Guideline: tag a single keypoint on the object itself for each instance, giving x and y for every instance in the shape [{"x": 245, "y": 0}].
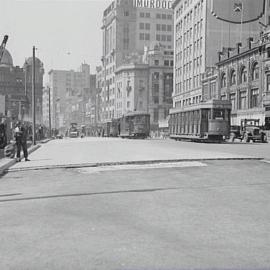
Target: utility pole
[
  {"x": 34, "y": 96},
  {"x": 50, "y": 120}
]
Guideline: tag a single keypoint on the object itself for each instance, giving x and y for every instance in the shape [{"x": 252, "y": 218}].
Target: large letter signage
[{"x": 165, "y": 4}]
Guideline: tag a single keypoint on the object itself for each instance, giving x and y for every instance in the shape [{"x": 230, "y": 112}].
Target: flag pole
[{"x": 242, "y": 14}]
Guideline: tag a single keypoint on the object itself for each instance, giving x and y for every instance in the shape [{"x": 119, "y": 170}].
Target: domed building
[
  {"x": 14, "y": 103},
  {"x": 7, "y": 60}
]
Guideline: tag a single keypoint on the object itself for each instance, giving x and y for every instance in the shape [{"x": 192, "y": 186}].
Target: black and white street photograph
[{"x": 134, "y": 134}]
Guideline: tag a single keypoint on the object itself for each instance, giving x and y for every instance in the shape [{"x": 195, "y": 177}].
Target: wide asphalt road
[{"x": 184, "y": 215}]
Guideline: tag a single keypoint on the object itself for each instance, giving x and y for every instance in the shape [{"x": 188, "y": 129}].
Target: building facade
[
  {"x": 145, "y": 84},
  {"x": 16, "y": 87},
  {"x": 198, "y": 37},
  {"x": 129, "y": 26},
  {"x": 39, "y": 73},
  {"x": 244, "y": 79},
  {"x": 69, "y": 93}
]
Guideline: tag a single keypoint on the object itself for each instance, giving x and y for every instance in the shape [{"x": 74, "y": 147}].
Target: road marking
[
  {"x": 184, "y": 164},
  {"x": 266, "y": 161}
]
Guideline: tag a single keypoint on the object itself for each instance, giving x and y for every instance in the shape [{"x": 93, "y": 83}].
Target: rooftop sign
[
  {"x": 238, "y": 11},
  {"x": 163, "y": 4}
]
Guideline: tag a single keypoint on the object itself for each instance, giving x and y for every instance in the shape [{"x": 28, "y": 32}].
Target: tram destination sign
[{"x": 163, "y": 4}]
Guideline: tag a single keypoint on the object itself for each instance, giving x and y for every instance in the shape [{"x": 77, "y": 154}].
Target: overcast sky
[{"x": 66, "y": 32}]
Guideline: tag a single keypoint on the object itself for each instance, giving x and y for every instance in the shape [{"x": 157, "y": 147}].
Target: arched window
[
  {"x": 243, "y": 75},
  {"x": 255, "y": 72},
  {"x": 223, "y": 80},
  {"x": 233, "y": 77}
]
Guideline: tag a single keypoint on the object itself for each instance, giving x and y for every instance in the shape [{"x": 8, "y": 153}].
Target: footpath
[{"x": 6, "y": 163}]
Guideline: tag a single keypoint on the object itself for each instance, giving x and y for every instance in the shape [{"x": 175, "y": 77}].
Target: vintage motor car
[{"x": 248, "y": 131}]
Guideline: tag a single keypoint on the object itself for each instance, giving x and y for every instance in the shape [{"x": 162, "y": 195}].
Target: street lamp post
[
  {"x": 34, "y": 96},
  {"x": 50, "y": 120}
]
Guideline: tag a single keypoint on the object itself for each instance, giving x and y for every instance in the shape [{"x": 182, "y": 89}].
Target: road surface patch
[{"x": 100, "y": 169}]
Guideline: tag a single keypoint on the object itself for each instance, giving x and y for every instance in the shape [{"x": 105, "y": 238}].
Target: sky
[{"x": 66, "y": 33}]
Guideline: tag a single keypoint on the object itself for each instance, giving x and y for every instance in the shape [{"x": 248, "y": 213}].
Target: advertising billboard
[{"x": 238, "y": 11}]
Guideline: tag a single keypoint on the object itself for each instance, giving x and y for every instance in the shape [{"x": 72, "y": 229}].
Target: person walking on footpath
[{"x": 21, "y": 141}]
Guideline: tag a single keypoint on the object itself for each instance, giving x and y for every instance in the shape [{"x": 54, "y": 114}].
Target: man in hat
[{"x": 21, "y": 141}]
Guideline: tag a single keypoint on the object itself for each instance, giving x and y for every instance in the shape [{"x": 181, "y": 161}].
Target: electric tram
[
  {"x": 205, "y": 122},
  {"x": 135, "y": 125},
  {"x": 111, "y": 128}
]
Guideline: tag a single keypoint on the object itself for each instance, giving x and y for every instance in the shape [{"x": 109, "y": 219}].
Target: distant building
[
  {"x": 69, "y": 91},
  {"x": 129, "y": 26},
  {"x": 12, "y": 89},
  {"x": 45, "y": 106},
  {"x": 39, "y": 73},
  {"x": 145, "y": 84},
  {"x": 99, "y": 87}
]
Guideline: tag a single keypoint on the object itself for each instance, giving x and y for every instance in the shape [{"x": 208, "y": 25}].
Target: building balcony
[{"x": 266, "y": 99}]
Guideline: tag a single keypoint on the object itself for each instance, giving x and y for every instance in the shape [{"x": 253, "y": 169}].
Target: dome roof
[
  {"x": 29, "y": 61},
  {"x": 6, "y": 59}
]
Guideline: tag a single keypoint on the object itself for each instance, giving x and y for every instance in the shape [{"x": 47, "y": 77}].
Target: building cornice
[{"x": 237, "y": 56}]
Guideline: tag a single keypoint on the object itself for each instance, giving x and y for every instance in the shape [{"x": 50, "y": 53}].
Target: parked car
[
  {"x": 248, "y": 131},
  {"x": 254, "y": 133}
]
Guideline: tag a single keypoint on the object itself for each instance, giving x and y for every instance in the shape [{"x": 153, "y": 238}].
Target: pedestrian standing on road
[{"x": 21, "y": 141}]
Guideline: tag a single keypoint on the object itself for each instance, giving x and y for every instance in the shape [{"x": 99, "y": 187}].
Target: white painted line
[
  {"x": 266, "y": 161},
  {"x": 184, "y": 164}
]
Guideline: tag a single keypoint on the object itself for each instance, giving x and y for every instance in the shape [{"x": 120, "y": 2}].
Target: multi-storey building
[
  {"x": 16, "y": 86},
  {"x": 129, "y": 26},
  {"x": 198, "y": 37},
  {"x": 68, "y": 91},
  {"x": 39, "y": 73},
  {"x": 145, "y": 84},
  {"x": 244, "y": 78}
]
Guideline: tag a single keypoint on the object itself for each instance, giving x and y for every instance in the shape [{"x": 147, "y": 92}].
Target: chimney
[
  {"x": 238, "y": 46},
  {"x": 249, "y": 41}
]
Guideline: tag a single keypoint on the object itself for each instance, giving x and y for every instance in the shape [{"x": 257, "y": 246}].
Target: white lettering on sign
[{"x": 165, "y": 4}]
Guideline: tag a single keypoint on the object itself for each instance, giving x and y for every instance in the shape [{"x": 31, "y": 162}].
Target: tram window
[{"x": 219, "y": 114}]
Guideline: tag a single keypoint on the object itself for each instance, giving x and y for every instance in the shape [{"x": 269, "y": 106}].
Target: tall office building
[
  {"x": 199, "y": 35},
  {"x": 129, "y": 26},
  {"x": 68, "y": 89}
]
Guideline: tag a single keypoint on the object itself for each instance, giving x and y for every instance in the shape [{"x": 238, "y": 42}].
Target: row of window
[
  {"x": 159, "y": 27},
  {"x": 188, "y": 101},
  {"x": 188, "y": 36},
  {"x": 164, "y": 16},
  {"x": 187, "y": 68},
  {"x": 188, "y": 84},
  {"x": 197, "y": 9},
  {"x": 242, "y": 102},
  {"x": 186, "y": 54},
  {"x": 164, "y": 27},
  {"x": 243, "y": 76},
  {"x": 164, "y": 38}
]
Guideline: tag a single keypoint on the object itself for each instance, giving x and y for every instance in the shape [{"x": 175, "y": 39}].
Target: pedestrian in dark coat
[{"x": 21, "y": 134}]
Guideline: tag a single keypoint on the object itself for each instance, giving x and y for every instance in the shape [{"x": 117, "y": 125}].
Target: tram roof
[
  {"x": 136, "y": 113},
  {"x": 214, "y": 103}
]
